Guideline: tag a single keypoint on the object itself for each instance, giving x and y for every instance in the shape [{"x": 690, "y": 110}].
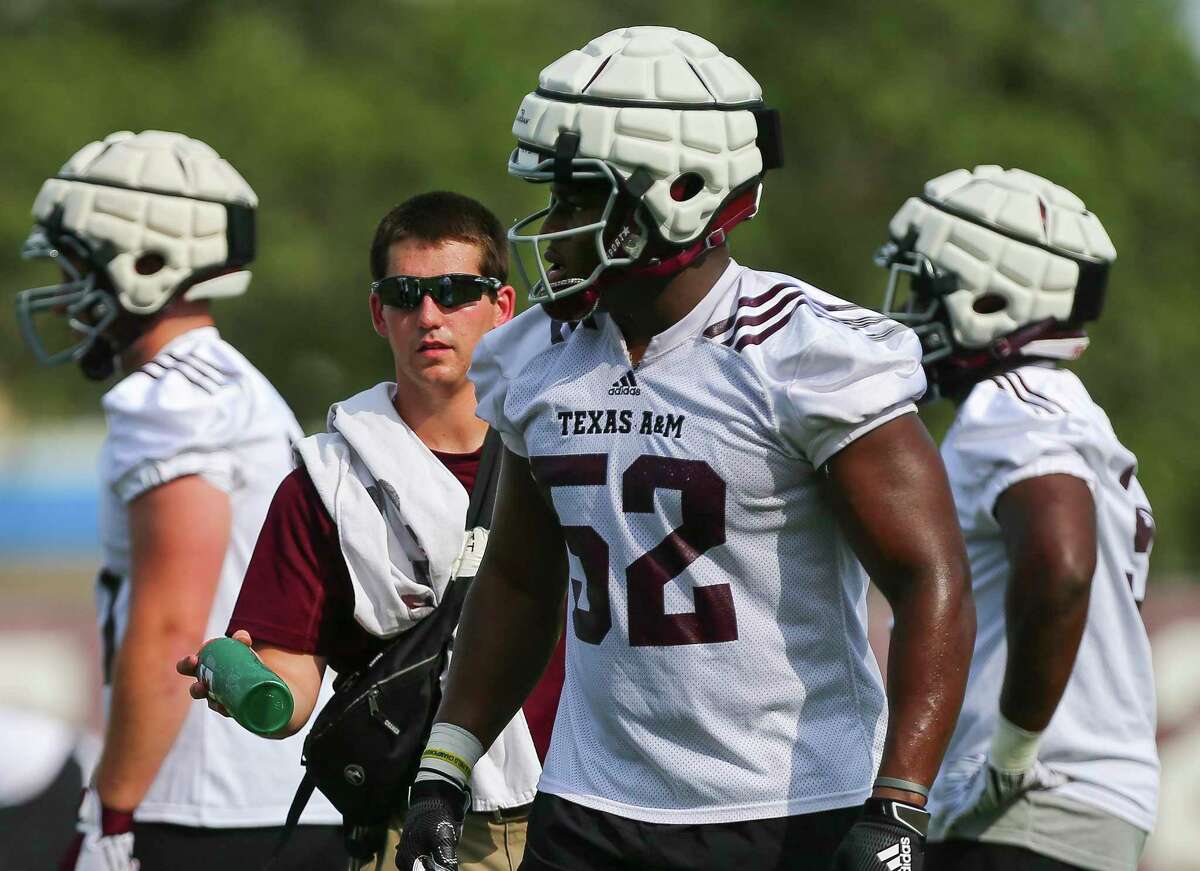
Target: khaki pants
[{"x": 487, "y": 843}]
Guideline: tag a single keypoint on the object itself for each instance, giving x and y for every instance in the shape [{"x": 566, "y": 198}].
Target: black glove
[
  {"x": 889, "y": 836},
  {"x": 432, "y": 826}
]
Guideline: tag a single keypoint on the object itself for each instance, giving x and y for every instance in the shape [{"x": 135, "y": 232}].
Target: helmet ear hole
[
  {"x": 686, "y": 186},
  {"x": 150, "y": 263},
  {"x": 989, "y": 303}
]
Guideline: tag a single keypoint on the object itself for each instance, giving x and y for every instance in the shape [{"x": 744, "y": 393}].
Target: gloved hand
[
  {"x": 889, "y": 836},
  {"x": 104, "y": 839},
  {"x": 432, "y": 826},
  {"x": 1011, "y": 770},
  {"x": 991, "y": 790}
]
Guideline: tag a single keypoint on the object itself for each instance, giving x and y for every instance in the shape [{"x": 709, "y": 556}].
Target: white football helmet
[
  {"x": 1001, "y": 262},
  {"x": 135, "y": 221},
  {"x": 662, "y": 116}
]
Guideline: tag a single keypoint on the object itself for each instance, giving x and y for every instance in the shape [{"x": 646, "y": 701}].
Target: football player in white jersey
[
  {"x": 146, "y": 229},
  {"x": 717, "y": 448},
  {"x": 1053, "y": 762}
]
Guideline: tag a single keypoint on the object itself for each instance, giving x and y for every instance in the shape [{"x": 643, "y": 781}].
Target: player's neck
[
  {"x": 183, "y": 318},
  {"x": 642, "y": 310},
  {"x": 443, "y": 421}
]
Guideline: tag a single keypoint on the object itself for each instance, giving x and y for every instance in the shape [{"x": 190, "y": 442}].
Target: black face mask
[{"x": 455, "y": 289}]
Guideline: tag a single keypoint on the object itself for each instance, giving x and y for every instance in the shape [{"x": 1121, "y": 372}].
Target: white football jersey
[
  {"x": 1033, "y": 421},
  {"x": 201, "y": 408},
  {"x": 717, "y": 660}
]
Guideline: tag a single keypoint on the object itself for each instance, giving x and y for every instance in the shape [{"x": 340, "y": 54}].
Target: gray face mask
[
  {"x": 921, "y": 309},
  {"x": 88, "y": 310},
  {"x": 528, "y": 247}
]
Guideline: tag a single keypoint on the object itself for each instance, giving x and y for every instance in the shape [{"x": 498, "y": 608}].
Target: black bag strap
[
  {"x": 299, "y": 801},
  {"x": 479, "y": 513},
  {"x": 487, "y": 479}
]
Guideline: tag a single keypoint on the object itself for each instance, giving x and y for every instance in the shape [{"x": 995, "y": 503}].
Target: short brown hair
[{"x": 441, "y": 216}]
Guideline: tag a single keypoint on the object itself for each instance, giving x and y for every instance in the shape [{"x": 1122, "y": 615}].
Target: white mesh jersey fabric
[
  {"x": 1035, "y": 283},
  {"x": 201, "y": 408},
  {"x": 728, "y": 675},
  {"x": 657, "y": 67},
  {"x": 150, "y": 192},
  {"x": 1030, "y": 422}
]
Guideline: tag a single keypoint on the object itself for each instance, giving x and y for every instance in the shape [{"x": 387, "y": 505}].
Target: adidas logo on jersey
[
  {"x": 897, "y": 857},
  {"x": 626, "y": 385}
]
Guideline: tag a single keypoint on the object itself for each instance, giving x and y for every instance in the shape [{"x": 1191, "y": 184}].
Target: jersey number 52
[{"x": 702, "y": 505}]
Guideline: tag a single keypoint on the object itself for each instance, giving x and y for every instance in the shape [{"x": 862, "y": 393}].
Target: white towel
[
  {"x": 399, "y": 514},
  {"x": 398, "y": 510}
]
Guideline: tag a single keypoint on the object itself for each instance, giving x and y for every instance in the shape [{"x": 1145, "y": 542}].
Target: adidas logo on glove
[{"x": 897, "y": 857}]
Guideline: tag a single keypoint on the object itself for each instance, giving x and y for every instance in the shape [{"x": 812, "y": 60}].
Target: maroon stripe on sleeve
[
  {"x": 716, "y": 329},
  {"x": 858, "y": 323},
  {"x": 759, "y": 338},
  {"x": 195, "y": 377},
  {"x": 1040, "y": 396},
  {"x": 889, "y": 332},
  {"x": 764, "y": 316},
  {"x": 1024, "y": 397},
  {"x": 202, "y": 366}
]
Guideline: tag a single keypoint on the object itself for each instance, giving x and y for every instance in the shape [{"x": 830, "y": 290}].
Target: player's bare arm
[
  {"x": 179, "y": 534},
  {"x": 302, "y": 672},
  {"x": 1049, "y": 526},
  {"x": 513, "y": 614},
  {"x": 510, "y": 623},
  {"x": 893, "y": 502}
]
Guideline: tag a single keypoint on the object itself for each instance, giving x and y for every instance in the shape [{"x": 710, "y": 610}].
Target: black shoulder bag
[{"x": 364, "y": 747}]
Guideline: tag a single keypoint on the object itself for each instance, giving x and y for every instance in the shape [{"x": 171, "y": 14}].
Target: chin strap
[
  {"x": 1044, "y": 339},
  {"x": 1014, "y": 344},
  {"x": 741, "y": 208}
]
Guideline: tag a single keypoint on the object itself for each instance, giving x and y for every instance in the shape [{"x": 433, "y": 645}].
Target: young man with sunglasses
[
  {"x": 359, "y": 540},
  {"x": 726, "y": 454}
]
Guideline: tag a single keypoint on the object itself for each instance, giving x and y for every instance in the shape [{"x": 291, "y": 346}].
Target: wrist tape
[
  {"x": 450, "y": 754},
  {"x": 1013, "y": 748}
]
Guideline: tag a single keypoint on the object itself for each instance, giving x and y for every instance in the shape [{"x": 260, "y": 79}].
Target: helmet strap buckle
[{"x": 566, "y": 146}]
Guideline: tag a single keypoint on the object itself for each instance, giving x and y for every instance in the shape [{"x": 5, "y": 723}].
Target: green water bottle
[{"x": 253, "y": 694}]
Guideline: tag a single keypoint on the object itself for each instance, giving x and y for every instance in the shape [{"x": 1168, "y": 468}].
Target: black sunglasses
[{"x": 405, "y": 291}]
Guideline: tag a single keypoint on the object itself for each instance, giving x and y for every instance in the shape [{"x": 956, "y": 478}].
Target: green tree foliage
[{"x": 336, "y": 111}]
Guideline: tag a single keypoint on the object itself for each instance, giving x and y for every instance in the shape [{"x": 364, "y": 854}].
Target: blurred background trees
[{"x": 336, "y": 111}]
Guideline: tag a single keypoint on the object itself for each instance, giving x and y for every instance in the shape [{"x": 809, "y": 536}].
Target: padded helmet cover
[
  {"x": 152, "y": 193},
  {"x": 659, "y": 99},
  {"x": 1016, "y": 238}
]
